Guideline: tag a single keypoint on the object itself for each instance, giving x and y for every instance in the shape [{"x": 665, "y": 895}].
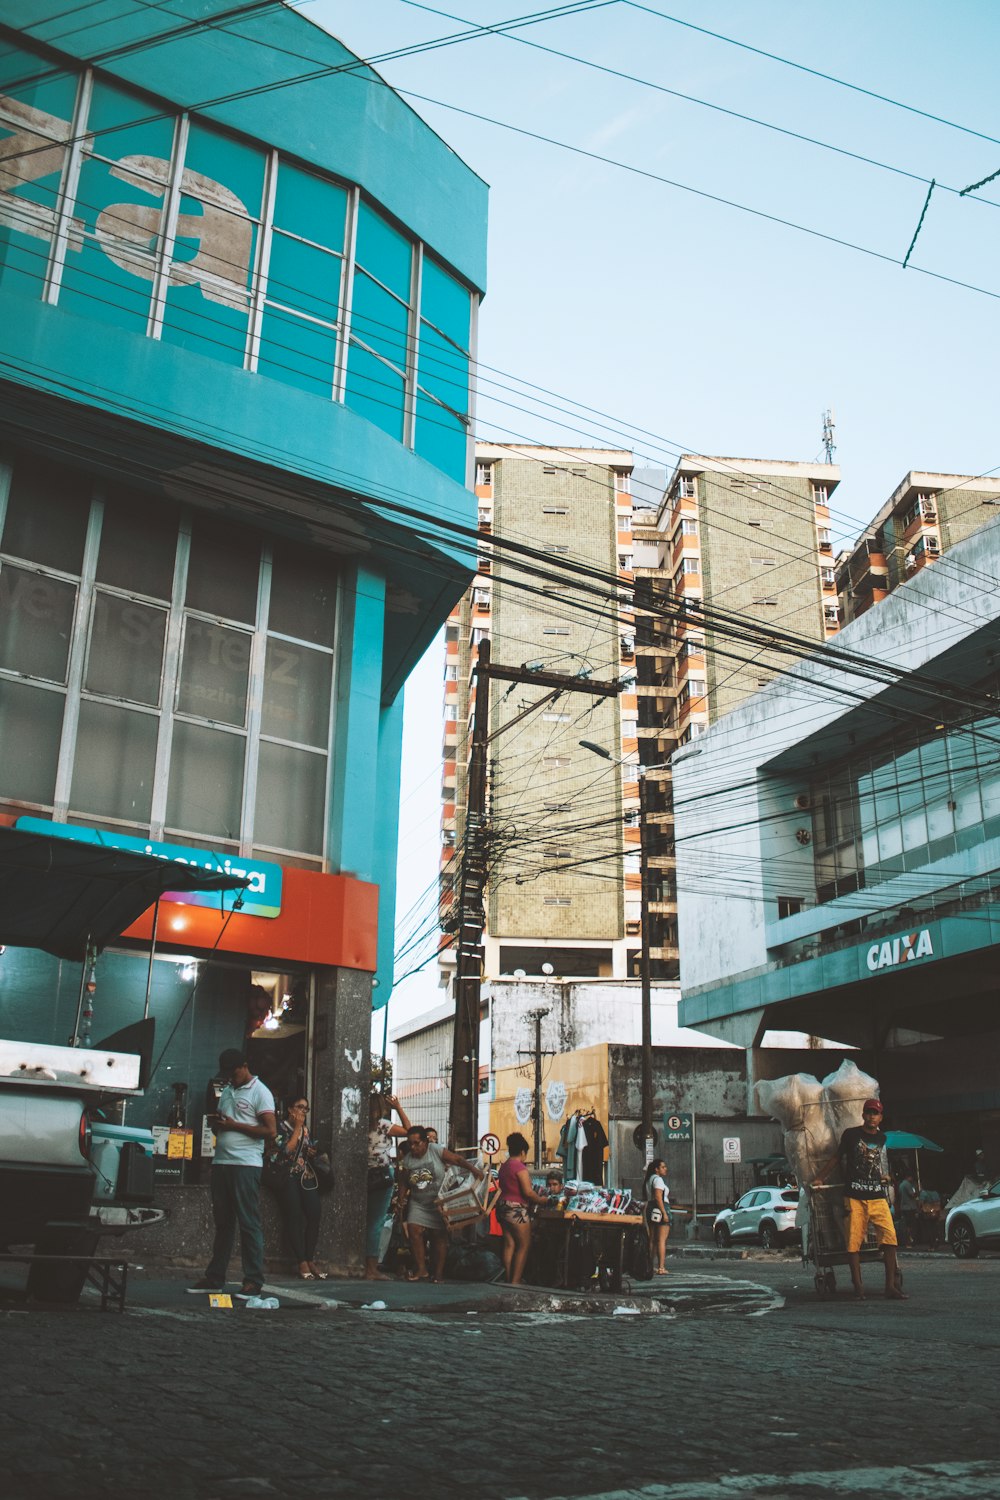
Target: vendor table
[{"x": 609, "y": 1232}]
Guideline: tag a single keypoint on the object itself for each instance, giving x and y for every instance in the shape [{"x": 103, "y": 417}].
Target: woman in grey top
[{"x": 423, "y": 1170}]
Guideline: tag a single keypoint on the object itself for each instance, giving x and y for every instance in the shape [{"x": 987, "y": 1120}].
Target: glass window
[
  {"x": 36, "y": 622},
  {"x": 379, "y": 320},
  {"x": 291, "y": 791},
  {"x": 114, "y": 763},
  {"x": 215, "y": 672},
  {"x": 303, "y": 278},
  {"x": 30, "y": 727},
  {"x": 296, "y": 694},
  {"x": 44, "y": 115},
  {"x": 446, "y": 303},
  {"x": 125, "y": 659},
  {"x": 310, "y": 207},
  {"x": 296, "y": 351},
  {"x": 47, "y": 512},
  {"x": 206, "y": 781},
  {"x": 375, "y": 392},
  {"x": 223, "y": 573},
  {"x": 303, "y": 598},
  {"x": 383, "y": 251},
  {"x": 138, "y": 543}
]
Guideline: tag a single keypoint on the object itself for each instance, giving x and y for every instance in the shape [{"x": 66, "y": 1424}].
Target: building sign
[
  {"x": 678, "y": 1126},
  {"x": 892, "y": 952},
  {"x": 732, "y": 1149},
  {"x": 262, "y": 897}
]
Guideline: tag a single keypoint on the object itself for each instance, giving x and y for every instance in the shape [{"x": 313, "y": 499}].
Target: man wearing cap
[
  {"x": 865, "y": 1175},
  {"x": 244, "y": 1126}
]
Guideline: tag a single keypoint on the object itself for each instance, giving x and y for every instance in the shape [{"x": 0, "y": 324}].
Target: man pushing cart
[{"x": 867, "y": 1229}]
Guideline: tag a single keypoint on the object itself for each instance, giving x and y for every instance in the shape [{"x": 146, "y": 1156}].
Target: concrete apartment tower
[
  {"x": 561, "y": 818},
  {"x": 925, "y": 515},
  {"x": 745, "y": 537}
]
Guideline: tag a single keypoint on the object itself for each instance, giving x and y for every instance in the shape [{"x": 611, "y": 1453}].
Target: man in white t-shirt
[{"x": 244, "y": 1128}]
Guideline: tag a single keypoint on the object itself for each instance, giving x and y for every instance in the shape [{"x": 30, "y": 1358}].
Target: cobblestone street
[{"x": 750, "y": 1376}]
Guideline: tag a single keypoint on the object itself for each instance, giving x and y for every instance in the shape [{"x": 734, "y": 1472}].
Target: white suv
[
  {"x": 766, "y": 1214},
  {"x": 975, "y": 1224}
]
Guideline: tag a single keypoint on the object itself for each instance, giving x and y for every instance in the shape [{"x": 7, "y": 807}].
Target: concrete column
[{"x": 340, "y": 1108}]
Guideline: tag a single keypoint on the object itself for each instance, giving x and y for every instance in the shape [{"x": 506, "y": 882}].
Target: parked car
[
  {"x": 766, "y": 1214},
  {"x": 975, "y": 1224}
]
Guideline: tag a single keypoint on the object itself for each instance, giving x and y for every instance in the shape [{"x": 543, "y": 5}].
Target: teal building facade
[{"x": 239, "y": 282}]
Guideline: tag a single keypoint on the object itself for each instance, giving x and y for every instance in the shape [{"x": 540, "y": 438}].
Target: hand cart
[{"x": 823, "y": 1243}]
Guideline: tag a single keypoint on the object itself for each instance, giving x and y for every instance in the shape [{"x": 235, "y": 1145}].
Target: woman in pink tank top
[{"x": 514, "y": 1208}]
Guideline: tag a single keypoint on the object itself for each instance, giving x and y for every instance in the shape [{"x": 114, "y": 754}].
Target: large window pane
[
  {"x": 304, "y": 278},
  {"x": 297, "y": 693},
  {"x": 290, "y": 799},
  {"x": 297, "y": 351},
  {"x": 138, "y": 544},
  {"x": 379, "y": 320},
  {"x": 206, "y": 781},
  {"x": 30, "y": 726},
  {"x": 47, "y": 514},
  {"x": 306, "y": 205},
  {"x": 223, "y": 573},
  {"x": 383, "y": 251},
  {"x": 36, "y": 622},
  {"x": 375, "y": 392},
  {"x": 125, "y": 659},
  {"x": 215, "y": 669},
  {"x": 303, "y": 598},
  {"x": 115, "y": 756}
]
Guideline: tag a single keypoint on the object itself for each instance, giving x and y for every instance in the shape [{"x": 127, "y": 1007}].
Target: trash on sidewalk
[
  {"x": 262, "y": 1302},
  {"x": 374, "y": 1306},
  {"x": 626, "y": 1312}
]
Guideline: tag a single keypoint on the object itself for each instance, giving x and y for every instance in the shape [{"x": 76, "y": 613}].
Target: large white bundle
[{"x": 815, "y": 1115}]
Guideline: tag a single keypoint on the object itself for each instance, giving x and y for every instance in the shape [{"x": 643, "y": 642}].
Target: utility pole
[
  {"x": 463, "y": 1120},
  {"x": 539, "y": 1120},
  {"x": 463, "y": 1116},
  {"x": 646, "y": 1126}
]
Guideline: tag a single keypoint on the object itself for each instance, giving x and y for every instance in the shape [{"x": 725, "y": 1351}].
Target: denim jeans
[
  {"x": 236, "y": 1200},
  {"x": 379, "y": 1199}
]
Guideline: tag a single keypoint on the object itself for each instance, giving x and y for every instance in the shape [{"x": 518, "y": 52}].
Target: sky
[{"x": 667, "y": 322}]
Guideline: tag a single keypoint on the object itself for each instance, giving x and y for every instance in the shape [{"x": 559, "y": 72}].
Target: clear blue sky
[{"x": 711, "y": 330}]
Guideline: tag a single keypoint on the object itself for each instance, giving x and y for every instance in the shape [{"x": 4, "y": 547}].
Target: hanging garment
[
  {"x": 593, "y": 1153},
  {"x": 567, "y": 1143}
]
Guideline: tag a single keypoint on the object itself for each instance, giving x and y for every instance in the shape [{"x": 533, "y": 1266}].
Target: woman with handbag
[
  {"x": 381, "y": 1134},
  {"x": 294, "y": 1176}
]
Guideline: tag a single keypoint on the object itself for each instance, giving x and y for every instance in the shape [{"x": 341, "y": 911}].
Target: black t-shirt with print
[{"x": 863, "y": 1163}]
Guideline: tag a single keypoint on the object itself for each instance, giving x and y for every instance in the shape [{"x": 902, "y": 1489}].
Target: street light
[{"x": 646, "y": 1127}]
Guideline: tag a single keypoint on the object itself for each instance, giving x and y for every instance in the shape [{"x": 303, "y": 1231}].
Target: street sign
[
  {"x": 731, "y": 1149},
  {"x": 489, "y": 1144},
  {"x": 678, "y": 1126}
]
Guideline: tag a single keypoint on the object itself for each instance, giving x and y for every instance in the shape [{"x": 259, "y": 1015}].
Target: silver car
[
  {"x": 975, "y": 1224},
  {"x": 766, "y": 1214}
]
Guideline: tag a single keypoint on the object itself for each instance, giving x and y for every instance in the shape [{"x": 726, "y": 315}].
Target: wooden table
[{"x": 609, "y": 1227}]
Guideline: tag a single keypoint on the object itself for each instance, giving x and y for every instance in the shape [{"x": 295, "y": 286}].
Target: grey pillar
[{"x": 340, "y": 1108}]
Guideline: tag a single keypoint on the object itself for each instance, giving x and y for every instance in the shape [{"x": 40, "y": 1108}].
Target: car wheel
[
  {"x": 723, "y": 1238},
  {"x": 963, "y": 1240},
  {"x": 769, "y": 1237}
]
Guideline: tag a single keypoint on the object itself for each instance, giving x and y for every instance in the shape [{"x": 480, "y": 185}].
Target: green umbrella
[{"x": 906, "y": 1140}]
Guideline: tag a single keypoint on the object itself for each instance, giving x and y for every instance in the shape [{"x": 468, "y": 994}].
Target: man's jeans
[{"x": 236, "y": 1200}]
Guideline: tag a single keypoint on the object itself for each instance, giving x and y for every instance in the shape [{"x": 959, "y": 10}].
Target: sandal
[
  {"x": 306, "y": 1275},
  {"x": 412, "y": 1276}
]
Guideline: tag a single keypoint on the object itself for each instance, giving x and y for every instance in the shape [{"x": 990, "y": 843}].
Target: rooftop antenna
[{"x": 829, "y": 447}]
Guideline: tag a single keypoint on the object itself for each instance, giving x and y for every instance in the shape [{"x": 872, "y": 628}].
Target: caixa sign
[
  {"x": 262, "y": 897},
  {"x": 892, "y": 952}
]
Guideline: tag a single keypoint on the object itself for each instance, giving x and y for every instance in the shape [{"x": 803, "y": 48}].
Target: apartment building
[
  {"x": 925, "y": 515},
  {"x": 564, "y": 823},
  {"x": 733, "y": 539}
]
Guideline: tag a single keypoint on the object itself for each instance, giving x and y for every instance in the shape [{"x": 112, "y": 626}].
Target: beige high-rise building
[{"x": 925, "y": 515}]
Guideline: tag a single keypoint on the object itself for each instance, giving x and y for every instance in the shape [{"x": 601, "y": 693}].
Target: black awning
[{"x": 56, "y": 894}]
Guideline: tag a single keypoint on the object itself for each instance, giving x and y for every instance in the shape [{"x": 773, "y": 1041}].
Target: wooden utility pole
[{"x": 463, "y": 1128}]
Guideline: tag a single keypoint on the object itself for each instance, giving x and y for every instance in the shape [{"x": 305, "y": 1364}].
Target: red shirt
[{"x": 510, "y": 1188}]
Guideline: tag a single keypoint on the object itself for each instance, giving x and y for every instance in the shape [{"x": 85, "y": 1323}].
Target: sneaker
[
  {"x": 247, "y": 1290},
  {"x": 204, "y": 1285}
]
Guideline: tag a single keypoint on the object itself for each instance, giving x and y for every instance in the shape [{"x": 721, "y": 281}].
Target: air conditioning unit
[{"x": 803, "y": 801}]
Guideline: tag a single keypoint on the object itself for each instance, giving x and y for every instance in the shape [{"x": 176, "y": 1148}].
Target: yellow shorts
[{"x": 859, "y": 1213}]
